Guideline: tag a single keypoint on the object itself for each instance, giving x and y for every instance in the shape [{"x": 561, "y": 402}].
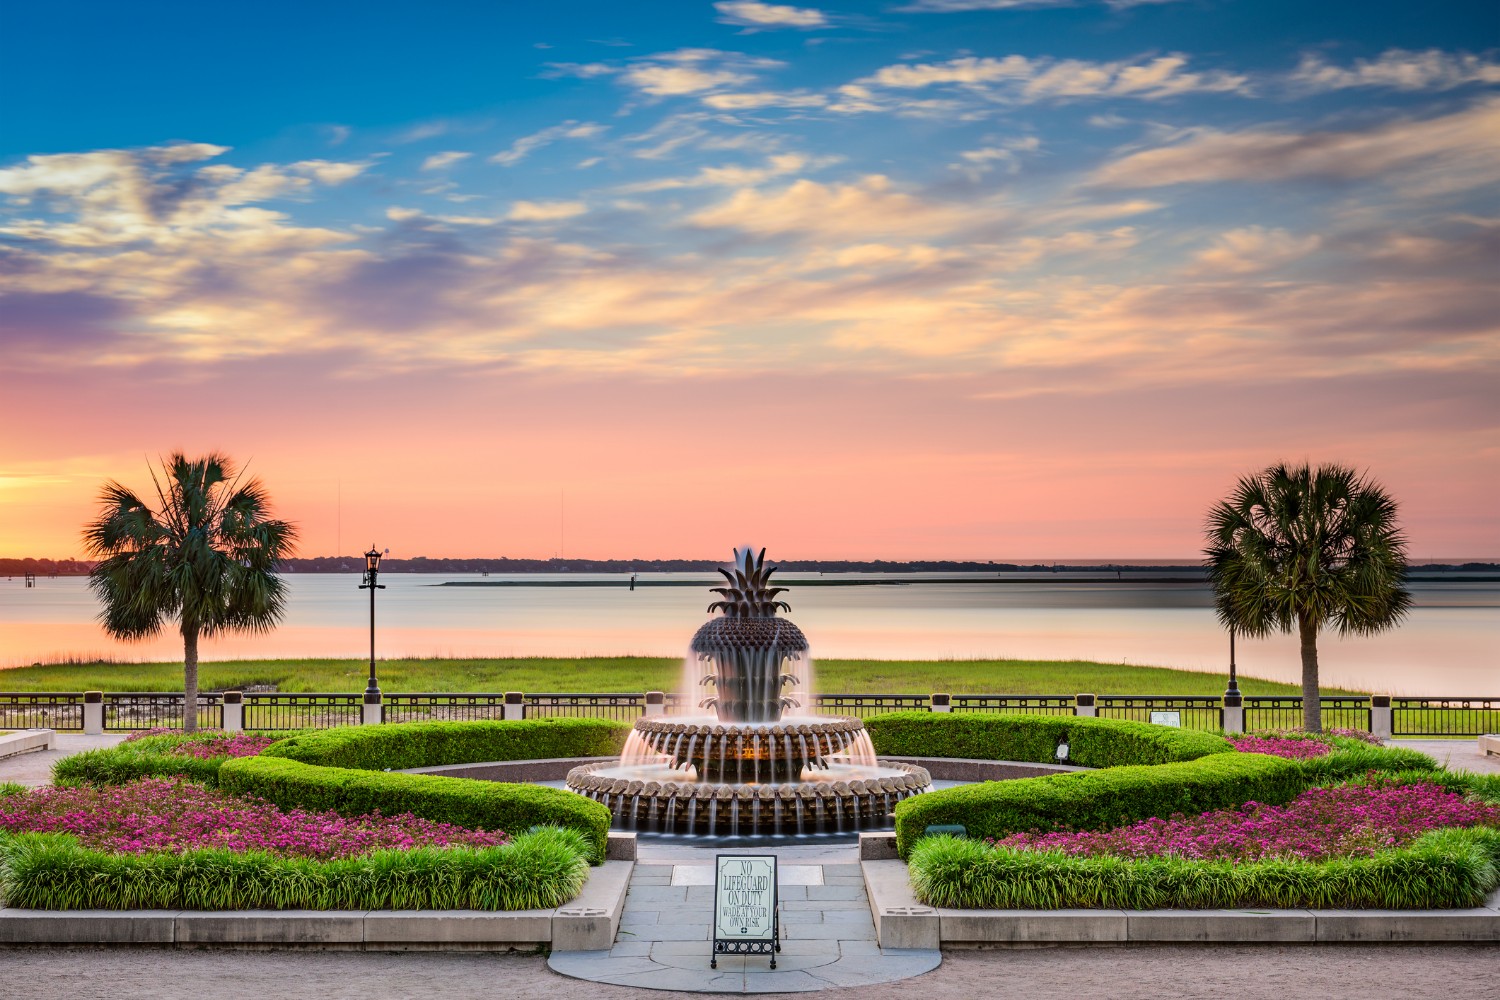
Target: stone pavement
[
  {"x": 35, "y": 769},
  {"x": 827, "y": 934},
  {"x": 1456, "y": 755}
]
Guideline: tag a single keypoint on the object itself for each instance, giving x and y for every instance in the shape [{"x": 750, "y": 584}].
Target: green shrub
[
  {"x": 1440, "y": 870},
  {"x": 1035, "y": 738},
  {"x": 12, "y": 788},
  {"x": 399, "y": 746},
  {"x": 484, "y": 805},
  {"x": 1099, "y": 800},
  {"x": 537, "y": 870}
]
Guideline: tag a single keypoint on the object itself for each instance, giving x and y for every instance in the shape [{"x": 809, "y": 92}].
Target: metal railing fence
[{"x": 136, "y": 711}]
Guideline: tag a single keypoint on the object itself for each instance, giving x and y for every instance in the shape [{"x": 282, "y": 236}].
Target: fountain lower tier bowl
[{"x": 836, "y": 798}]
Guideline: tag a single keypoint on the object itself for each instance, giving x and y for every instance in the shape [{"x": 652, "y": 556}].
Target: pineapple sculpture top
[
  {"x": 748, "y": 595},
  {"x": 747, "y": 644}
]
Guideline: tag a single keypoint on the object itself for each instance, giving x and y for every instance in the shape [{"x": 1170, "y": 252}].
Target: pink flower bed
[
  {"x": 1282, "y": 746},
  {"x": 172, "y": 816},
  {"x": 1321, "y": 823},
  {"x": 211, "y": 744}
]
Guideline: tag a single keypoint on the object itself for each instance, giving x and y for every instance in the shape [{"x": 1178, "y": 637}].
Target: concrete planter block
[
  {"x": 1478, "y": 924},
  {"x": 1031, "y": 926},
  {"x": 1221, "y": 925},
  {"x": 877, "y": 847},
  {"x": 87, "y": 926},
  {"x": 279, "y": 927},
  {"x": 620, "y": 847},
  {"x": 1489, "y": 746},
  {"x": 26, "y": 741},
  {"x": 900, "y": 920},
  {"x": 416, "y": 929},
  {"x": 590, "y": 921}
]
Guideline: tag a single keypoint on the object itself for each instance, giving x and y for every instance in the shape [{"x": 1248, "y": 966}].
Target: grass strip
[
  {"x": 540, "y": 869},
  {"x": 1443, "y": 869}
]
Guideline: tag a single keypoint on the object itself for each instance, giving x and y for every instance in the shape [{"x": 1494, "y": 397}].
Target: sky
[{"x": 971, "y": 279}]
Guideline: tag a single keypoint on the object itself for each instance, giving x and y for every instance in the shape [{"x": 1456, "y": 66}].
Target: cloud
[
  {"x": 733, "y": 176},
  {"x": 1461, "y": 149},
  {"x": 869, "y": 206},
  {"x": 438, "y": 161},
  {"x": 1397, "y": 69},
  {"x": 749, "y": 13},
  {"x": 545, "y": 211},
  {"x": 963, "y": 6},
  {"x": 329, "y": 171},
  {"x": 1018, "y": 79},
  {"x": 1254, "y": 248},
  {"x": 978, "y": 162},
  {"x": 693, "y": 71},
  {"x": 764, "y": 99},
  {"x": 528, "y": 144}
]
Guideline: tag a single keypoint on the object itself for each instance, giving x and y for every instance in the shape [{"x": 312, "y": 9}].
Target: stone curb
[
  {"x": 588, "y": 922},
  {"x": 901, "y": 921},
  {"x": 27, "y": 740}
]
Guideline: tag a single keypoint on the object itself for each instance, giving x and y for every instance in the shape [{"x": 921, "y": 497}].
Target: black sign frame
[{"x": 747, "y": 946}]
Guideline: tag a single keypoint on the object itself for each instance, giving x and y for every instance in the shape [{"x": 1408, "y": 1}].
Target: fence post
[
  {"x": 1234, "y": 713},
  {"x": 93, "y": 713},
  {"x": 941, "y": 703},
  {"x": 656, "y": 703},
  {"x": 234, "y": 712},
  {"x": 1083, "y": 705},
  {"x": 373, "y": 711},
  {"x": 1381, "y": 716},
  {"x": 515, "y": 706}
]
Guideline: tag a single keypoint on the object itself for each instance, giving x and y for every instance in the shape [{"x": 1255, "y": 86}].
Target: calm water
[{"x": 1450, "y": 645}]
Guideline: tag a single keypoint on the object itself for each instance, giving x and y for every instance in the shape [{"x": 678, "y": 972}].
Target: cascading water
[{"x": 750, "y": 679}]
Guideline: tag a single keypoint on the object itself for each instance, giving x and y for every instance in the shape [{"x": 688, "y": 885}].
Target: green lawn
[{"x": 608, "y": 674}]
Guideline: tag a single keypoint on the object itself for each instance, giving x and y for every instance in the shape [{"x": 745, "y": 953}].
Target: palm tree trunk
[
  {"x": 1312, "y": 710},
  {"x": 190, "y": 678}
]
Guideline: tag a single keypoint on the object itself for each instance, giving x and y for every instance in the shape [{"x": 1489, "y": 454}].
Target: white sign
[
  {"x": 745, "y": 898},
  {"x": 1173, "y": 719}
]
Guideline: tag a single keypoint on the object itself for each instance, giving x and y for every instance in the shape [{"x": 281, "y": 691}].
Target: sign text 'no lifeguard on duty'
[{"x": 746, "y": 921}]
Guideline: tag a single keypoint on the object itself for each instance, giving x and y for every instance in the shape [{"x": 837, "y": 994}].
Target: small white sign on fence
[{"x": 1173, "y": 719}]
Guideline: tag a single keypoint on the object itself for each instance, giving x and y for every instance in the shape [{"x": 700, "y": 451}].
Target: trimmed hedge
[
  {"x": 485, "y": 805},
  {"x": 1440, "y": 870},
  {"x": 397, "y": 746},
  {"x": 1099, "y": 800},
  {"x": 1035, "y": 738},
  {"x": 537, "y": 870}
]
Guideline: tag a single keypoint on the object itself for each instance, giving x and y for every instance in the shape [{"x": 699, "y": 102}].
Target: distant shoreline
[{"x": 892, "y": 581}]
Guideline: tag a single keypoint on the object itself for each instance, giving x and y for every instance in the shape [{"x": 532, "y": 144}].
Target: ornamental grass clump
[
  {"x": 1345, "y": 821},
  {"x": 172, "y": 816}
]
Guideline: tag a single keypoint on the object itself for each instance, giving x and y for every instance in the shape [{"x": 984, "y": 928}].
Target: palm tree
[
  {"x": 206, "y": 559},
  {"x": 1310, "y": 547}
]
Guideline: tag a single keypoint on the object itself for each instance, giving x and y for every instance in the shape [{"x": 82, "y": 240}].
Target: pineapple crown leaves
[{"x": 748, "y": 594}]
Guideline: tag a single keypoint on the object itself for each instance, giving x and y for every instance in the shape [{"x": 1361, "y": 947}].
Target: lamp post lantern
[{"x": 372, "y": 573}]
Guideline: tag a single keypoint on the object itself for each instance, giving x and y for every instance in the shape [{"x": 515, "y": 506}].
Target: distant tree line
[{"x": 422, "y": 564}]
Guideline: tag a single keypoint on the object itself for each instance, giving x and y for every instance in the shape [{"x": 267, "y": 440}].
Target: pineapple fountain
[{"x": 761, "y": 763}]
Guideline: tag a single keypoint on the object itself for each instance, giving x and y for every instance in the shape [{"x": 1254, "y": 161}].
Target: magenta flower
[
  {"x": 160, "y": 815},
  {"x": 1321, "y": 823}
]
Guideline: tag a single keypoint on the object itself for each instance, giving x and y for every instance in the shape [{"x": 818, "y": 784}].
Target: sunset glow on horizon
[{"x": 936, "y": 279}]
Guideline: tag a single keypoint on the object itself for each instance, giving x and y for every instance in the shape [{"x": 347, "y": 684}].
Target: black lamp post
[
  {"x": 372, "y": 572},
  {"x": 1233, "y": 690}
]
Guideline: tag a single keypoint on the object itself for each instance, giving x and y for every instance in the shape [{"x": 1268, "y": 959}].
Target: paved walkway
[
  {"x": 827, "y": 935},
  {"x": 1244, "y": 972},
  {"x": 35, "y": 768},
  {"x": 1456, "y": 755}
]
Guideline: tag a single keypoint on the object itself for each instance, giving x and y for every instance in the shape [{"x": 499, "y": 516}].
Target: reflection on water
[{"x": 1448, "y": 645}]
